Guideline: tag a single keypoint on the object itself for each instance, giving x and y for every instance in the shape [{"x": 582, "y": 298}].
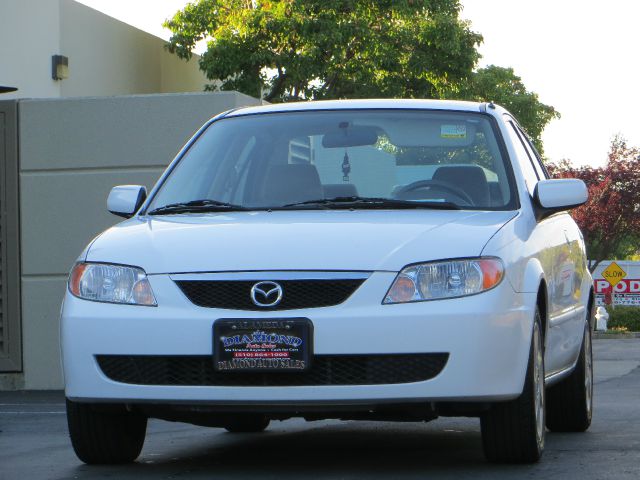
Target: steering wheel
[{"x": 436, "y": 185}]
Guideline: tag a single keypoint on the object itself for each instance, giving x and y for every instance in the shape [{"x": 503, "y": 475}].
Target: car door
[{"x": 566, "y": 312}]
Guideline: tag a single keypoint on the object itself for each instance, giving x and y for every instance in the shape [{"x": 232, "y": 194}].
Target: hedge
[{"x": 623, "y": 316}]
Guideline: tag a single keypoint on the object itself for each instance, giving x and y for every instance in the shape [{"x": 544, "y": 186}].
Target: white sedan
[{"x": 370, "y": 259}]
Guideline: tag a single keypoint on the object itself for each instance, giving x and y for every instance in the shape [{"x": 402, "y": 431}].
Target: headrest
[
  {"x": 291, "y": 184},
  {"x": 469, "y": 178}
]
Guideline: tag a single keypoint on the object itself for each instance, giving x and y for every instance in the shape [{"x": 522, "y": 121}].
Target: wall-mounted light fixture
[{"x": 59, "y": 67}]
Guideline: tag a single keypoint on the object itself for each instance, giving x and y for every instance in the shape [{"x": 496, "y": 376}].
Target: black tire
[
  {"x": 102, "y": 435},
  {"x": 246, "y": 423},
  {"x": 570, "y": 402},
  {"x": 513, "y": 431}
]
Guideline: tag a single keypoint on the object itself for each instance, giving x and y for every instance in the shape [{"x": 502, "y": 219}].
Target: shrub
[{"x": 628, "y": 317}]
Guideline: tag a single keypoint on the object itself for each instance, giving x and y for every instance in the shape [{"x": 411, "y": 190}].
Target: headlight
[
  {"x": 446, "y": 279},
  {"x": 102, "y": 282}
]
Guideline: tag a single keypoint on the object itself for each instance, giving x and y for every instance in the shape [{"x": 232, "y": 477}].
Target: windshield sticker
[{"x": 453, "y": 131}]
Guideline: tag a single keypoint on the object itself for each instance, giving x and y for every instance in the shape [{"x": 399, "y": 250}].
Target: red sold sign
[{"x": 623, "y": 286}]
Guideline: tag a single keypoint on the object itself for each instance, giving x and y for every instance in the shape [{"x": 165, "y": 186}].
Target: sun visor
[
  {"x": 353, "y": 136},
  {"x": 441, "y": 133}
]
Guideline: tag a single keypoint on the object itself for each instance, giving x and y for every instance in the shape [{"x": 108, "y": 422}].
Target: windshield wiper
[
  {"x": 372, "y": 203},
  {"x": 195, "y": 206}
]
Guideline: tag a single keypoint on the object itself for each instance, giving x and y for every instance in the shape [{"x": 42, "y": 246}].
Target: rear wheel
[
  {"x": 248, "y": 423},
  {"x": 570, "y": 402},
  {"x": 513, "y": 431},
  {"x": 105, "y": 435}
]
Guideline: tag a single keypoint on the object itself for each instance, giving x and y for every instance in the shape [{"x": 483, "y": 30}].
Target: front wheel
[
  {"x": 570, "y": 402},
  {"x": 513, "y": 431},
  {"x": 105, "y": 435}
]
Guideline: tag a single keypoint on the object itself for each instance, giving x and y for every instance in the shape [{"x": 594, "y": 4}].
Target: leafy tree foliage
[
  {"x": 610, "y": 220},
  {"x": 321, "y": 49},
  {"x": 502, "y": 86},
  {"x": 287, "y": 50}
]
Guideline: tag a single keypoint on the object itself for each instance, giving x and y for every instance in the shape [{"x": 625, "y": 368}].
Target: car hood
[{"x": 356, "y": 240}]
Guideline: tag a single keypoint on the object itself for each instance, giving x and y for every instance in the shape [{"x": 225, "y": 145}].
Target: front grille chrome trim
[{"x": 273, "y": 275}]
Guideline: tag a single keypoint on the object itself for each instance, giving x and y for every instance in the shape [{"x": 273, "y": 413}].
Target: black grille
[
  {"x": 236, "y": 294},
  {"x": 325, "y": 370}
]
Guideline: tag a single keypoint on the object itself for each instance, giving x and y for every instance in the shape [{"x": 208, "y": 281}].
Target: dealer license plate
[{"x": 275, "y": 345}]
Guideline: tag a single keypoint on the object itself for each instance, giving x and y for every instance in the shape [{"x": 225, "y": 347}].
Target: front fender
[
  {"x": 532, "y": 279},
  {"x": 532, "y": 276}
]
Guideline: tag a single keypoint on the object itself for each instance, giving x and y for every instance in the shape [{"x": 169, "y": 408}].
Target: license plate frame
[{"x": 275, "y": 344}]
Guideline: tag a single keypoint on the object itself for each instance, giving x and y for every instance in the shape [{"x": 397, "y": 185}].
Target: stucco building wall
[
  {"x": 106, "y": 56},
  {"x": 71, "y": 152}
]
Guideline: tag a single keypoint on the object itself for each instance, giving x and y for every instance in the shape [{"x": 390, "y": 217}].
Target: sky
[{"x": 580, "y": 56}]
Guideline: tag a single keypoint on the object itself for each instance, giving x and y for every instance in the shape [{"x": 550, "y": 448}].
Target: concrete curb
[{"x": 614, "y": 336}]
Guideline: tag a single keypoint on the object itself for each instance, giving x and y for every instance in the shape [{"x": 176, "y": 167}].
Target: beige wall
[
  {"x": 177, "y": 75},
  {"x": 109, "y": 57},
  {"x": 106, "y": 56},
  {"x": 29, "y": 36},
  {"x": 72, "y": 151}
]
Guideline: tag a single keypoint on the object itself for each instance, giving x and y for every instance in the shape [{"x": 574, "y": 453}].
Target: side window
[
  {"x": 533, "y": 155},
  {"x": 525, "y": 162}
]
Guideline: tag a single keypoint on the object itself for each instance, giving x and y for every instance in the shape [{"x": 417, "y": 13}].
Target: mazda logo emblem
[{"x": 266, "y": 294}]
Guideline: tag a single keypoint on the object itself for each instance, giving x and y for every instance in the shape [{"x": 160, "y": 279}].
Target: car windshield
[{"x": 341, "y": 159}]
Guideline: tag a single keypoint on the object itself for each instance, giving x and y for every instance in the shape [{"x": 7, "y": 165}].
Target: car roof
[{"x": 416, "y": 104}]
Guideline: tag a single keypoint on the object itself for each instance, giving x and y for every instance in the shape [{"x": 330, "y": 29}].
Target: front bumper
[{"x": 487, "y": 337}]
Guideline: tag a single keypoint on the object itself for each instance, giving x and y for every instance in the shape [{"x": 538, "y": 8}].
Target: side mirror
[
  {"x": 555, "y": 195},
  {"x": 125, "y": 200}
]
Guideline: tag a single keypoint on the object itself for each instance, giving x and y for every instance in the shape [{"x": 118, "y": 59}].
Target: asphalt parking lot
[{"x": 34, "y": 443}]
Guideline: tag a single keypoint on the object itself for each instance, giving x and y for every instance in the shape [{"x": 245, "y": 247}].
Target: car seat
[
  {"x": 469, "y": 178},
  {"x": 286, "y": 184}
]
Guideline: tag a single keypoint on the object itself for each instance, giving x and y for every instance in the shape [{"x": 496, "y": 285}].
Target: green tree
[
  {"x": 502, "y": 86},
  {"x": 284, "y": 50},
  {"x": 287, "y": 50}
]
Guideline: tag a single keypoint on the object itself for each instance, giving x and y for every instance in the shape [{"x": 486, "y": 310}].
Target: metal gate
[{"x": 10, "y": 318}]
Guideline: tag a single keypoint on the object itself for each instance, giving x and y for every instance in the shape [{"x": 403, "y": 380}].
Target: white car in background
[{"x": 370, "y": 259}]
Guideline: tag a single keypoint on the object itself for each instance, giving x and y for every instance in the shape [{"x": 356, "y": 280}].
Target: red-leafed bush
[{"x": 610, "y": 220}]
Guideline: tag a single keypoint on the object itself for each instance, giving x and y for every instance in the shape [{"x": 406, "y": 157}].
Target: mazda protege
[{"x": 356, "y": 260}]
